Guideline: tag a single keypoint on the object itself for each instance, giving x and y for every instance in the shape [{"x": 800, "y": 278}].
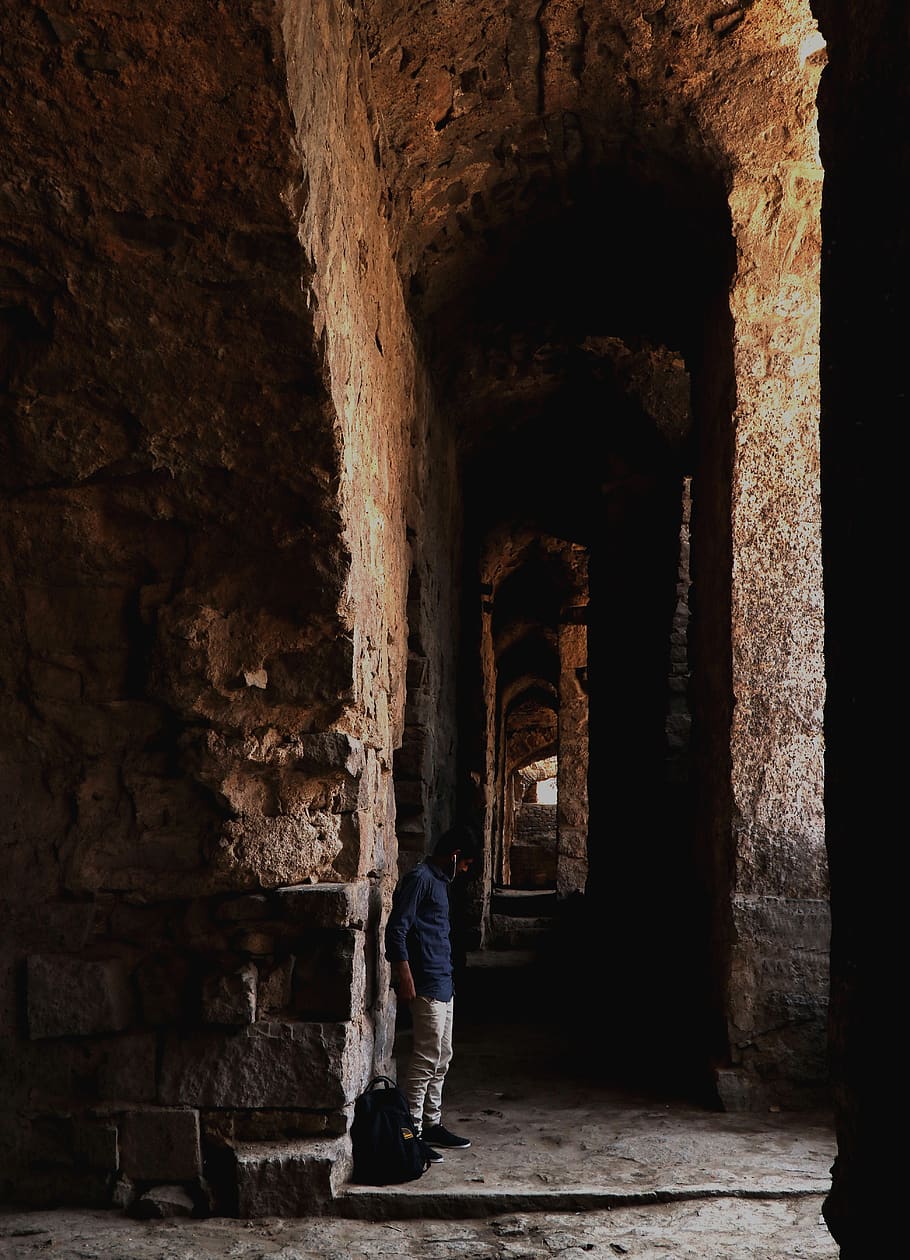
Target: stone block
[
  {"x": 126, "y": 1068},
  {"x": 735, "y": 1089},
  {"x": 318, "y": 1066},
  {"x": 162, "y": 1202},
  {"x": 160, "y": 1144},
  {"x": 277, "y": 851},
  {"x": 329, "y": 975},
  {"x": 325, "y": 905},
  {"x": 50, "y": 1141},
  {"x": 230, "y": 997},
  {"x": 410, "y": 795},
  {"x": 333, "y": 750},
  {"x": 573, "y": 843},
  {"x": 412, "y": 758},
  {"x": 9, "y": 1006},
  {"x": 271, "y": 1125},
  {"x": 163, "y": 984},
  {"x": 96, "y": 1144},
  {"x": 197, "y": 930},
  {"x": 240, "y": 909},
  {"x": 60, "y": 925},
  {"x": 138, "y": 923},
  {"x": 250, "y": 941},
  {"x": 75, "y": 996},
  {"x": 289, "y": 1179},
  {"x": 362, "y": 851},
  {"x": 275, "y": 988}
]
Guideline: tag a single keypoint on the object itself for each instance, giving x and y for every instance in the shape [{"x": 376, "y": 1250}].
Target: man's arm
[
  {"x": 401, "y": 920},
  {"x": 405, "y": 987}
]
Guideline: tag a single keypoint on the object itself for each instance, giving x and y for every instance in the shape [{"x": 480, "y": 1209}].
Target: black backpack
[{"x": 387, "y": 1149}]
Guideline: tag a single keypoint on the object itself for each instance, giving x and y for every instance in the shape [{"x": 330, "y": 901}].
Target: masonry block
[
  {"x": 96, "y": 1144},
  {"x": 230, "y": 998},
  {"x": 76, "y": 997},
  {"x": 290, "y": 1178},
  {"x": 333, "y": 750},
  {"x": 163, "y": 988},
  {"x": 126, "y": 1068},
  {"x": 325, "y": 905},
  {"x": 274, "y": 993},
  {"x": 329, "y": 975},
  {"x": 160, "y": 1145},
  {"x": 318, "y": 1066},
  {"x": 240, "y": 909},
  {"x": 59, "y": 925}
]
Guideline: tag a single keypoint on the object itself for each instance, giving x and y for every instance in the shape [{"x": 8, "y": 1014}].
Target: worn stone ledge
[
  {"x": 290, "y": 1178},
  {"x": 325, "y": 905}
]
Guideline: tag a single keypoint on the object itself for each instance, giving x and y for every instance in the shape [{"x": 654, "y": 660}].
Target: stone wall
[
  {"x": 398, "y": 483},
  {"x": 532, "y": 853},
  {"x": 216, "y": 434}
]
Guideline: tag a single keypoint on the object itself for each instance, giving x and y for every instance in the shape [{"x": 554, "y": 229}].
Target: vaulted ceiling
[{"x": 558, "y": 178}]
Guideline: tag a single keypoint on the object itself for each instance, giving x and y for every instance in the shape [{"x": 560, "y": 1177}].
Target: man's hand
[{"x": 406, "y": 989}]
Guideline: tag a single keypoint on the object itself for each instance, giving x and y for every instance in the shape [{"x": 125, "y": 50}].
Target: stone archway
[{"x": 273, "y": 329}]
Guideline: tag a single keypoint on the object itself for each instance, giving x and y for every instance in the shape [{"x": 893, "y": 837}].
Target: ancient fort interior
[{"x": 421, "y": 410}]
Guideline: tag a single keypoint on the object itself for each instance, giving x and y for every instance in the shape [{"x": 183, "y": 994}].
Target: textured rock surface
[
  {"x": 75, "y": 997},
  {"x": 310, "y": 1065},
  {"x": 160, "y": 1145},
  {"x": 301, "y": 305},
  {"x": 290, "y": 1179},
  {"x": 729, "y": 1228}
]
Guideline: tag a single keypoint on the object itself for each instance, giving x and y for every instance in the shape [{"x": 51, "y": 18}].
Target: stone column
[
  {"x": 572, "y": 774},
  {"x": 777, "y": 984}
]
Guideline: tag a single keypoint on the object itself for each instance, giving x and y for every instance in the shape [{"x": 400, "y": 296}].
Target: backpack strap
[{"x": 385, "y": 1081}]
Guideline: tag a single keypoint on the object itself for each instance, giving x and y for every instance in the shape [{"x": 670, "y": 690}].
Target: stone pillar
[
  {"x": 572, "y": 775},
  {"x": 777, "y": 983}
]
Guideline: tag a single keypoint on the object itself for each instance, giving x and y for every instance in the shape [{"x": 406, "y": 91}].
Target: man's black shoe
[
  {"x": 439, "y": 1135},
  {"x": 435, "y": 1157}
]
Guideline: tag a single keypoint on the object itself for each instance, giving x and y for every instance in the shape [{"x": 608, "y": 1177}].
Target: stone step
[
  {"x": 508, "y": 933},
  {"x": 290, "y": 1178},
  {"x": 521, "y": 902}
]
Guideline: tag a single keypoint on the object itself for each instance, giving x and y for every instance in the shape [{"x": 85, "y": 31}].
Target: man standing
[{"x": 419, "y": 947}]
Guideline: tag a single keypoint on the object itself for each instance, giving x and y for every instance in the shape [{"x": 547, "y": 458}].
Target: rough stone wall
[
  {"x": 572, "y": 807},
  {"x": 532, "y": 853},
  {"x": 399, "y": 481},
  {"x": 170, "y": 458},
  {"x": 778, "y": 619},
  {"x": 208, "y": 398}
]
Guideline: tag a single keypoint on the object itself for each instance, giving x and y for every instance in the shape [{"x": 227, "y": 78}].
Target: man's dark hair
[{"x": 462, "y": 836}]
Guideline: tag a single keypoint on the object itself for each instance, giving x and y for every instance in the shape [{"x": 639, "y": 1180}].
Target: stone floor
[{"x": 558, "y": 1167}]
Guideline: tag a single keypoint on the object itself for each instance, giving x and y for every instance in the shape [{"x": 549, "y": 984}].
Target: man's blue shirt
[{"x": 418, "y": 930}]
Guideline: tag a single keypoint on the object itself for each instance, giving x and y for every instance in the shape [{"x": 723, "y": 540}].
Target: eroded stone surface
[
  {"x": 313, "y": 1065},
  {"x": 70, "y": 997},
  {"x": 289, "y": 1178},
  {"x": 160, "y": 1145},
  {"x": 247, "y": 364}
]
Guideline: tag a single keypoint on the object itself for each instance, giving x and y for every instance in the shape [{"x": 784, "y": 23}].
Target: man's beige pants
[{"x": 430, "y": 1058}]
